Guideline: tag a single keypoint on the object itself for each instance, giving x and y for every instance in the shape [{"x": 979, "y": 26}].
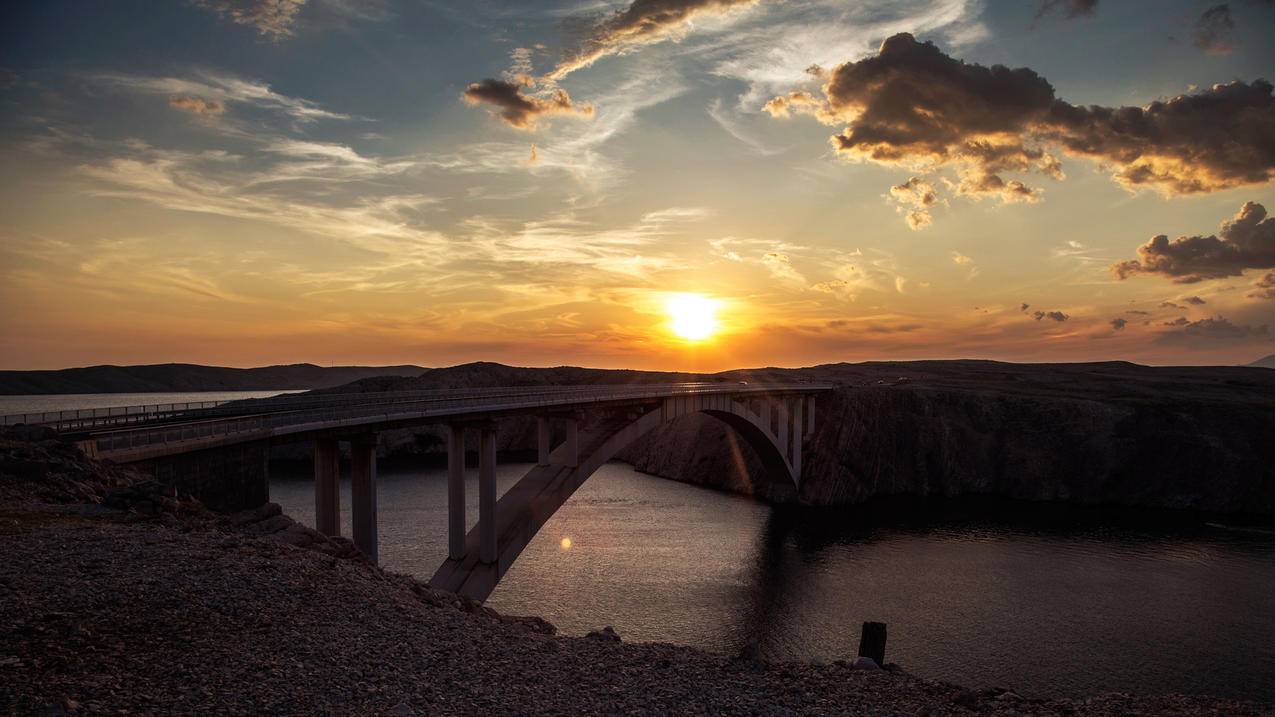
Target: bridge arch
[{"x": 537, "y": 496}]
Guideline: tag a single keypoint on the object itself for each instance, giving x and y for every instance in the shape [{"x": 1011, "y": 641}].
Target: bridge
[{"x": 594, "y": 423}]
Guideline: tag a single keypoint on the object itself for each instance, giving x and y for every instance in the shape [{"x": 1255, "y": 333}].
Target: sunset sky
[{"x": 371, "y": 182}]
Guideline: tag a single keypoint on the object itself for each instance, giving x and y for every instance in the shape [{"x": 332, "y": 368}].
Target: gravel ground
[{"x": 105, "y": 615}]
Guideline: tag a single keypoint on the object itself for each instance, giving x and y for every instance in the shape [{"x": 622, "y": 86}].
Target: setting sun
[{"x": 692, "y": 317}]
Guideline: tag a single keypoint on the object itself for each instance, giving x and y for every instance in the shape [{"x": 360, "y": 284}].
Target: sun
[{"x": 691, "y": 316}]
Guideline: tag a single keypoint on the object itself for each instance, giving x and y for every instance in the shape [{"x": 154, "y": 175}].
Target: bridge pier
[
  {"x": 327, "y": 486},
  {"x": 798, "y": 433},
  {"x": 363, "y": 493},
  {"x": 542, "y": 440},
  {"x": 455, "y": 491},
  {"x": 783, "y": 417},
  {"x": 487, "y": 494},
  {"x": 810, "y": 414}
]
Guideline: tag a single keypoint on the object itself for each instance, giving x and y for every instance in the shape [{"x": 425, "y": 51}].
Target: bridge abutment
[{"x": 226, "y": 479}]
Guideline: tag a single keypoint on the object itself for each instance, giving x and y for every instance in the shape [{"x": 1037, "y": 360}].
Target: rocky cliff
[{"x": 1107, "y": 433}]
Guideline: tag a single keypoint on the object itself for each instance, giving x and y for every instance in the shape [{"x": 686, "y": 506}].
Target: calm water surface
[
  {"x": 70, "y": 401},
  {"x": 1040, "y": 604}
]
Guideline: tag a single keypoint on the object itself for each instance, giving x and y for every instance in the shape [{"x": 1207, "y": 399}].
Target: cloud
[
  {"x": 915, "y": 197},
  {"x": 1215, "y": 30},
  {"x": 520, "y": 110},
  {"x": 1118, "y": 324},
  {"x": 1194, "y": 300},
  {"x": 643, "y": 22},
  {"x": 1024, "y": 307},
  {"x": 961, "y": 260},
  {"x": 196, "y": 105},
  {"x": 225, "y": 90},
  {"x": 1070, "y": 9},
  {"x": 1214, "y": 139},
  {"x": 1051, "y": 315},
  {"x": 910, "y": 105},
  {"x": 780, "y": 266},
  {"x": 1246, "y": 241},
  {"x": 1170, "y": 305},
  {"x": 1212, "y": 330},
  {"x": 1265, "y": 287},
  {"x": 272, "y": 18}
]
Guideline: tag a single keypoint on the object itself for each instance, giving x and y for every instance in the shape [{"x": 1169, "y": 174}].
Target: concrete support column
[
  {"x": 781, "y": 406},
  {"x": 810, "y": 415},
  {"x": 487, "y": 494},
  {"x": 455, "y": 491},
  {"x": 363, "y": 493},
  {"x": 327, "y": 486},
  {"x": 798, "y": 433},
  {"x": 573, "y": 442},
  {"x": 542, "y": 439}
]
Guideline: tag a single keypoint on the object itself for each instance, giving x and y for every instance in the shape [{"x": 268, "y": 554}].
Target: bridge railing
[
  {"x": 91, "y": 418},
  {"x": 562, "y": 396}
]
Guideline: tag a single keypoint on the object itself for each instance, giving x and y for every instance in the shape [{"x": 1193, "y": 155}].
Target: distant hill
[
  {"x": 173, "y": 377},
  {"x": 1268, "y": 362}
]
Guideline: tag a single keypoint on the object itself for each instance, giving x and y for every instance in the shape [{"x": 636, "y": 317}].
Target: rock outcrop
[{"x": 1106, "y": 433}]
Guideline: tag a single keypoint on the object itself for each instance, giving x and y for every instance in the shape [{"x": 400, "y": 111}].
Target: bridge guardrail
[
  {"x": 88, "y": 418},
  {"x": 131, "y": 438}
]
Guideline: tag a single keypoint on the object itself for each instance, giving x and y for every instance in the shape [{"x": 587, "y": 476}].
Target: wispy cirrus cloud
[
  {"x": 213, "y": 89},
  {"x": 271, "y": 18}
]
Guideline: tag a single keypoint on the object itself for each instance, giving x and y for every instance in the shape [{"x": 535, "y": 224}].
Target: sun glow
[{"x": 691, "y": 316}]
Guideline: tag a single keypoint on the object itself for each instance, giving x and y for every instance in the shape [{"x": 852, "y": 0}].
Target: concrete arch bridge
[{"x": 172, "y": 440}]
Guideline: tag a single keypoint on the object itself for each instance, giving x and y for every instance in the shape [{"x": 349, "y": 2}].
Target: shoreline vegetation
[{"x": 121, "y": 596}]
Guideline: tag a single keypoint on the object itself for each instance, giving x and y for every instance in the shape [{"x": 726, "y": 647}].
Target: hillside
[
  {"x": 1097, "y": 433},
  {"x": 1266, "y": 362},
  {"x": 171, "y": 377}
]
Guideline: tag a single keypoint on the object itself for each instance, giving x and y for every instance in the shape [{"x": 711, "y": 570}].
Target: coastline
[{"x": 120, "y": 596}]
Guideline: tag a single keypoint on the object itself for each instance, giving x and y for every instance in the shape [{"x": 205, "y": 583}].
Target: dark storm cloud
[
  {"x": 197, "y": 105},
  {"x": 643, "y": 22},
  {"x": 1213, "y": 330},
  {"x": 272, "y": 18},
  {"x": 1215, "y": 30},
  {"x": 1245, "y": 242},
  {"x": 1215, "y": 139},
  {"x": 1265, "y": 287},
  {"x": 518, "y": 109},
  {"x": 912, "y": 105},
  {"x": 1194, "y": 300},
  {"x": 1051, "y": 315},
  {"x": 1118, "y": 324}
]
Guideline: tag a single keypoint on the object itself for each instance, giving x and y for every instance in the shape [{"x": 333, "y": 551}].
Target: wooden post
[{"x": 872, "y": 642}]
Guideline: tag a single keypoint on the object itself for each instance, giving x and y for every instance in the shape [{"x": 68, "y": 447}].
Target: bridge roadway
[{"x": 596, "y": 422}]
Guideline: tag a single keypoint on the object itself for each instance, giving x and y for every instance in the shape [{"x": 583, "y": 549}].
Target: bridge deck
[{"x": 145, "y": 436}]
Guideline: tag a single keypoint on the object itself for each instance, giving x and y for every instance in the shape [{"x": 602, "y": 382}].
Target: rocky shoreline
[{"x": 119, "y": 597}]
